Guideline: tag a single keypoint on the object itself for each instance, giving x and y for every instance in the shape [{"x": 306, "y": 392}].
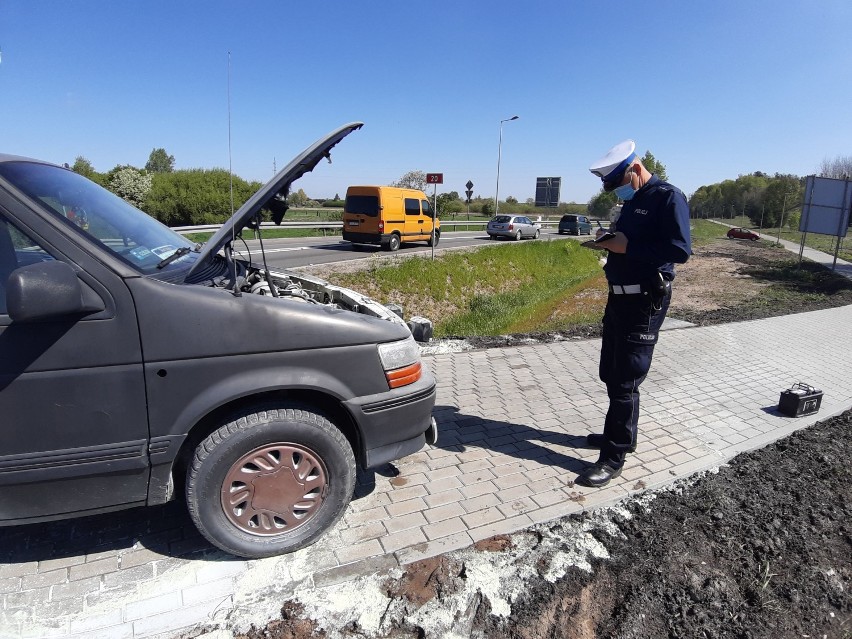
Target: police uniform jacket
[{"x": 656, "y": 223}]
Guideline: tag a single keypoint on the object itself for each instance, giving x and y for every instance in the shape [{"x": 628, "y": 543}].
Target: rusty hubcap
[{"x": 274, "y": 489}]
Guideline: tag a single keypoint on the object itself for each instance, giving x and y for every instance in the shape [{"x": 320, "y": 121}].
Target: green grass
[{"x": 494, "y": 290}]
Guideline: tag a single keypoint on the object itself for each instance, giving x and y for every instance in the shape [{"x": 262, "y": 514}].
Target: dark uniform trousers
[{"x": 631, "y": 327}]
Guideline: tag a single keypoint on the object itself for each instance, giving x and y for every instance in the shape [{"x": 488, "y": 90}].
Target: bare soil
[{"x": 761, "y": 549}]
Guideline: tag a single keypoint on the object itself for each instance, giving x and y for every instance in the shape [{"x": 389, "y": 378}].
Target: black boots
[{"x": 597, "y": 475}]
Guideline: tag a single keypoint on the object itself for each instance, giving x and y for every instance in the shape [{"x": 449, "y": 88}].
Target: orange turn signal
[{"x": 405, "y": 375}]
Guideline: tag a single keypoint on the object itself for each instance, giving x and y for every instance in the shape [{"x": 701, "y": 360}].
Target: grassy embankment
[{"x": 517, "y": 287}]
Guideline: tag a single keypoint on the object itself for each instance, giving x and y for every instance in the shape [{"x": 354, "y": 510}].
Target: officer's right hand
[{"x": 618, "y": 244}]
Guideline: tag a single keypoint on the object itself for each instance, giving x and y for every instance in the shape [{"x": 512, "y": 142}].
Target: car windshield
[
  {"x": 502, "y": 219},
  {"x": 135, "y": 237},
  {"x": 569, "y": 218}
]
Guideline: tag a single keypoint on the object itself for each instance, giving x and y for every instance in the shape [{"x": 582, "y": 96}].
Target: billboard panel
[
  {"x": 547, "y": 191},
  {"x": 826, "y": 206}
]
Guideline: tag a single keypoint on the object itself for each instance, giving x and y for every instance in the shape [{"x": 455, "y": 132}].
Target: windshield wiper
[{"x": 183, "y": 250}]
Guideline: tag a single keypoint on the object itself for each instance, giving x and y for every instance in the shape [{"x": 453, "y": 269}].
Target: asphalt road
[{"x": 283, "y": 253}]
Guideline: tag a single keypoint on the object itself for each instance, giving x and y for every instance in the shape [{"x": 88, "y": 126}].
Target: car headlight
[{"x": 401, "y": 361}]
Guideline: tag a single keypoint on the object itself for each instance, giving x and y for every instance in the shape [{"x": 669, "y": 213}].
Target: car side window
[
  {"x": 412, "y": 206},
  {"x": 17, "y": 249}
]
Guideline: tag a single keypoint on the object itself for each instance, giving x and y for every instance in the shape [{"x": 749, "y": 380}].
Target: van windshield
[
  {"x": 363, "y": 204},
  {"x": 134, "y": 236},
  {"x": 569, "y": 218}
]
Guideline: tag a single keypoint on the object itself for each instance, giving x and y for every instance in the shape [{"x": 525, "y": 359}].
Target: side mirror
[{"x": 46, "y": 290}]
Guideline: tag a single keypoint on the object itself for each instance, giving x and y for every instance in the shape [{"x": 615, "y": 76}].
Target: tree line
[
  {"x": 191, "y": 197},
  {"x": 186, "y": 197}
]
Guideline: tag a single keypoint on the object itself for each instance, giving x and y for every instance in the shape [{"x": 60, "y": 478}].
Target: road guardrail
[{"x": 452, "y": 224}]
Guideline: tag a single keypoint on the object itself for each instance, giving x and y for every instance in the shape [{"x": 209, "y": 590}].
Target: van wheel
[
  {"x": 393, "y": 242},
  {"x": 437, "y": 239},
  {"x": 270, "y": 482}
]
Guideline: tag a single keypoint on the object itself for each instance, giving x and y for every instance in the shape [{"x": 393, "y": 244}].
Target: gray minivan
[
  {"x": 575, "y": 225},
  {"x": 135, "y": 364}
]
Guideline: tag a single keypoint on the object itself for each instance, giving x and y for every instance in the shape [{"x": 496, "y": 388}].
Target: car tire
[
  {"x": 429, "y": 242},
  {"x": 537, "y": 233},
  {"x": 393, "y": 242},
  {"x": 518, "y": 236},
  {"x": 270, "y": 482}
]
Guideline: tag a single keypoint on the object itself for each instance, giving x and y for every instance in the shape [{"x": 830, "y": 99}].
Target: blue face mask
[{"x": 625, "y": 191}]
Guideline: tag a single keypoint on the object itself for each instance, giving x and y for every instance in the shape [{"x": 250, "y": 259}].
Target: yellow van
[{"x": 388, "y": 216}]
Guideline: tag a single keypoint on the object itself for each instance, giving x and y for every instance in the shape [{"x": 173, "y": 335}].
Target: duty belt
[{"x": 625, "y": 289}]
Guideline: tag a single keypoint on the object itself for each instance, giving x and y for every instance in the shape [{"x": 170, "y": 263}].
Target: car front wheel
[
  {"x": 537, "y": 233},
  {"x": 270, "y": 482}
]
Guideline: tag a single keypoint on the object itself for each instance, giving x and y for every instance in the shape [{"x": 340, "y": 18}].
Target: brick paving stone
[
  {"x": 439, "y": 513},
  {"x": 402, "y": 522},
  {"x": 48, "y": 565},
  {"x": 502, "y": 527},
  {"x": 406, "y": 507},
  {"x": 404, "y": 494},
  {"x": 518, "y": 506},
  {"x": 43, "y": 579},
  {"x": 364, "y": 550},
  {"x": 375, "y": 530},
  {"x": 432, "y": 548},
  {"x": 482, "y": 517},
  {"x": 445, "y": 497},
  {"x": 403, "y": 539},
  {"x": 152, "y": 606},
  {"x": 444, "y": 528},
  {"x": 92, "y": 568},
  {"x": 478, "y": 503},
  {"x": 34, "y": 598},
  {"x": 444, "y": 483},
  {"x": 18, "y": 569}
]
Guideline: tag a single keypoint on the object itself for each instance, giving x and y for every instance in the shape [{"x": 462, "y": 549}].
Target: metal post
[
  {"x": 781, "y": 223},
  {"x": 499, "y": 153},
  {"x": 434, "y": 217}
]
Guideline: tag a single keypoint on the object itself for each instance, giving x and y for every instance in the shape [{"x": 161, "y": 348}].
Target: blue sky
[{"x": 712, "y": 89}]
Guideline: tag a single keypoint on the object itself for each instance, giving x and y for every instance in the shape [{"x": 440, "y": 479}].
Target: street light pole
[{"x": 499, "y": 152}]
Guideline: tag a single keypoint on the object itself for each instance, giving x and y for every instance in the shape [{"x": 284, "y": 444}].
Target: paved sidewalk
[
  {"x": 513, "y": 423},
  {"x": 512, "y": 426}
]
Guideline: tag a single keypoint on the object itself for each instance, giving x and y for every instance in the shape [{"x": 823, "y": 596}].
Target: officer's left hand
[{"x": 618, "y": 244}]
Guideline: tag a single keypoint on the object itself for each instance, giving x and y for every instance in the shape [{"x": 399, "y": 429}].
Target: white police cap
[{"x": 613, "y": 164}]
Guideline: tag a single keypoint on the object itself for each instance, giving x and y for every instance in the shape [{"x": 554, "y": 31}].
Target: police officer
[{"x": 651, "y": 234}]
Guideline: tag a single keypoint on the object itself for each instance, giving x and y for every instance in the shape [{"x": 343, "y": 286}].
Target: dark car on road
[
  {"x": 515, "y": 227},
  {"x": 575, "y": 225},
  {"x": 743, "y": 234},
  {"x": 136, "y": 366}
]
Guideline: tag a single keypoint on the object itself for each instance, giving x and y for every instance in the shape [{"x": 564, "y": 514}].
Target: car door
[
  {"x": 426, "y": 218},
  {"x": 73, "y": 413},
  {"x": 414, "y": 222}
]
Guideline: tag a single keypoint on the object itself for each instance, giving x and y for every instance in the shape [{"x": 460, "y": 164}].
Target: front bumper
[{"x": 395, "y": 423}]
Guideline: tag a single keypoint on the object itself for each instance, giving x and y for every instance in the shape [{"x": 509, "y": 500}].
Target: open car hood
[{"x": 273, "y": 195}]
